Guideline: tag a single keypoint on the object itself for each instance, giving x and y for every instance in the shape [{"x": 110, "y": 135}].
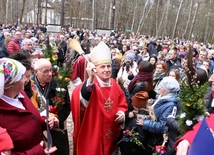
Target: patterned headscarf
[{"x": 11, "y": 71}]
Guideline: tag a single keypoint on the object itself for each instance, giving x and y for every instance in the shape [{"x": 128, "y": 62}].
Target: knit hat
[
  {"x": 170, "y": 84},
  {"x": 5, "y": 140},
  {"x": 130, "y": 56},
  {"x": 34, "y": 39},
  {"x": 139, "y": 100},
  {"x": 11, "y": 71}
]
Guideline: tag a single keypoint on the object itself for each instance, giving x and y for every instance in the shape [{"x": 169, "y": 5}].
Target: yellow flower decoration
[
  {"x": 60, "y": 77},
  {"x": 49, "y": 59},
  {"x": 55, "y": 57},
  {"x": 200, "y": 100},
  {"x": 67, "y": 79},
  {"x": 55, "y": 51},
  {"x": 188, "y": 104}
]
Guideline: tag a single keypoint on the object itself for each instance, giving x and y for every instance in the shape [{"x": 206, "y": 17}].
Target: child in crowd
[{"x": 133, "y": 136}]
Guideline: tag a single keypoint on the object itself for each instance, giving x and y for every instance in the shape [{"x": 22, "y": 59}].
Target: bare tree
[
  {"x": 156, "y": 21},
  {"x": 150, "y": 8},
  {"x": 6, "y": 19},
  {"x": 62, "y": 13},
  {"x": 133, "y": 19},
  {"x": 176, "y": 20},
  {"x": 46, "y": 10},
  {"x": 11, "y": 11},
  {"x": 164, "y": 15},
  {"x": 189, "y": 16},
  {"x": 193, "y": 20},
  {"x": 142, "y": 17},
  {"x": 166, "y": 19},
  {"x": 104, "y": 15},
  {"x": 93, "y": 14},
  {"x": 207, "y": 21},
  {"x": 112, "y": 14},
  {"x": 22, "y": 10}
]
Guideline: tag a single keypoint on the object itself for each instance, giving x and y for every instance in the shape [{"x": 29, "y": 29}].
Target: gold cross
[
  {"x": 108, "y": 104},
  {"x": 108, "y": 133}
]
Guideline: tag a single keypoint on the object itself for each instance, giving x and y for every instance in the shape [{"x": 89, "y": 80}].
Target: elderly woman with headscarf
[
  {"x": 17, "y": 114},
  {"x": 164, "y": 106}
]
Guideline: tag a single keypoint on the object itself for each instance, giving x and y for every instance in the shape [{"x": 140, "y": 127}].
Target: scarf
[
  {"x": 142, "y": 76},
  {"x": 11, "y": 71},
  {"x": 157, "y": 77}
]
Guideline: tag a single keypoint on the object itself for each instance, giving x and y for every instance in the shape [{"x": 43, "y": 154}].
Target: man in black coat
[
  {"x": 62, "y": 48},
  {"x": 173, "y": 62},
  {"x": 47, "y": 86}
]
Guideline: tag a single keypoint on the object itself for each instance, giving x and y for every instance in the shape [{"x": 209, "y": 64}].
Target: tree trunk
[
  {"x": 93, "y": 14},
  {"x": 6, "y": 18},
  {"x": 162, "y": 18},
  {"x": 207, "y": 21},
  {"x": 11, "y": 11},
  {"x": 104, "y": 16},
  {"x": 141, "y": 27},
  {"x": 166, "y": 19},
  {"x": 62, "y": 14},
  {"x": 176, "y": 20},
  {"x": 22, "y": 11},
  {"x": 142, "y": 17},
  {"x": 156, "y": 21},
  {"x": 133, "y": 19},
  {"x": 193, "y": 21},
  {"x": 46, "y": 11},
  {"x": 189, "y": 16},
  {"x": 39, "y": 13},
  {"x": 112, "y": 14}
]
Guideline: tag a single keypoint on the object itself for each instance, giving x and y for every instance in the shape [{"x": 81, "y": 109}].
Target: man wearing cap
[
  {"x": 36, "y": 47},
  {"x": 98, "y": 107}
]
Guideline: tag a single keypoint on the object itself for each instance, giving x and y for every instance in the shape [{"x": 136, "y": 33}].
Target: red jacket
[
  {"x": 5, "y": 140},
  {"x": 25, "y": 127},
  {"x": 13, "y": 46}
]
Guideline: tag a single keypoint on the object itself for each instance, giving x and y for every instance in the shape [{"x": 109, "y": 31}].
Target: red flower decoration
[{"x": 53, "y": 109}]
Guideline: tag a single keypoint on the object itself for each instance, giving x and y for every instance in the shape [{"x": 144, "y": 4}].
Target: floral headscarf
[{"x": 11, "y": 71}]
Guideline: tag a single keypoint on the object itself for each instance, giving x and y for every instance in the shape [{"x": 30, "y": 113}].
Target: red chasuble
[
  {"x": 79, "y": 69},
  {"x": 95, "y": 130}
]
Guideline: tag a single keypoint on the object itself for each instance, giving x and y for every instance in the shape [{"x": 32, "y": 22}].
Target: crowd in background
[{"x": 149, "y": 69}]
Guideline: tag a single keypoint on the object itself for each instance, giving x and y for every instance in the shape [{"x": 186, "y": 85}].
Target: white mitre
[{"x": 100, "y": 54}]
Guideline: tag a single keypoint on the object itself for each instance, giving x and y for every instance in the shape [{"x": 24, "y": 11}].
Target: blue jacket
[{"x": 162, "y": 110}]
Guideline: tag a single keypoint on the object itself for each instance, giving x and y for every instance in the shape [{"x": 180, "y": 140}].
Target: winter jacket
[
  {"x": 13, "y": 46},
  {"x": 162, "y": 109},
  {"x": 174, "y": 133},
  {"x": 173, "y": 64}
]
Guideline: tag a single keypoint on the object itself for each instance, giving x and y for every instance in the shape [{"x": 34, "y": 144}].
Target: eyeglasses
[{"x": 45, "y": 71}]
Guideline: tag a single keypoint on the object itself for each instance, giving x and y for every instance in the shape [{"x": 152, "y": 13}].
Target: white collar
[
  {"x": 14, "y": 101},
  {"x": 102, "y": 83}
]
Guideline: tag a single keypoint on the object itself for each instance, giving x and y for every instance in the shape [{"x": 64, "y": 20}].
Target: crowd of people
[{"x": 125, "y": 97}]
